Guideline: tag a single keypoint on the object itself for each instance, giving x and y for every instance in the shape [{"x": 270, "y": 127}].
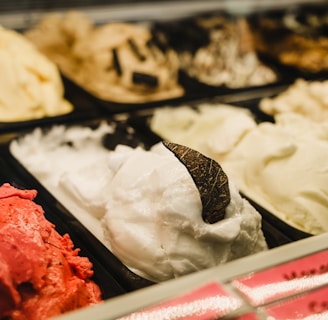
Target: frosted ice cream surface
[
  {"x": 146, "y": 202},
  {"x": 41, "y": 274},
  {"x": 281, "y": 165},
  {"x": 30, "y": 86}
]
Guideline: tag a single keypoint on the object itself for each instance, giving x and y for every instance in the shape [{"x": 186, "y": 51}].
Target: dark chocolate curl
[
  {"x": 209, "y": 178},
  {"x": 116, "y": 62},
  {"x": 144, "y": 78},
  {"x": 135, "y": 50}
]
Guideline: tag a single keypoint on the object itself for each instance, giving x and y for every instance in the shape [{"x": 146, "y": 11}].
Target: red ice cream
[{"x": 41, "y": 274}]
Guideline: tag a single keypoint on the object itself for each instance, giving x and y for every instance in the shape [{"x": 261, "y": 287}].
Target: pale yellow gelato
[
  {"x": 282, "y": 166},
  {"x": 308, "y": 98},
  {"x": 30, "y": 84}
]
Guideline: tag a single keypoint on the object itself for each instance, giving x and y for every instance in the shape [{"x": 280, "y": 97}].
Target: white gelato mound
[{"x": 154, "y": 219}]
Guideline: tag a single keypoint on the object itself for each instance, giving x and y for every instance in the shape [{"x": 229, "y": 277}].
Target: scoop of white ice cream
[
  {"x": 30, "y": 84},
  {"x": 154, "y": 219}
]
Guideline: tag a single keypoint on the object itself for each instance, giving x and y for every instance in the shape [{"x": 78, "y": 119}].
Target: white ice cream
[
  {"x": 154, "y": 223},
  {"x": 142, "y": 204},
  {"x": 308, "y": 98},
  {"x": 282, "y": 166},
  {"x": 30, "y": 85}
]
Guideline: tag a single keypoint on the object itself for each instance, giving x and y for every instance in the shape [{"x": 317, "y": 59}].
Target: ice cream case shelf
[{"x": 237, "y": 288}]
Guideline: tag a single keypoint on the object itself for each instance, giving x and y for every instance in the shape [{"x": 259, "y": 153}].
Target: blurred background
[{"x": 20, "y": 14}]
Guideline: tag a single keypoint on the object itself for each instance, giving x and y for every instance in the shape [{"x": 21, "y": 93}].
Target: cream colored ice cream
[
  {"x": 115, "y": 61},
  {"x": 281, "y": 165},
  {"x": 308, "y": 98},
  {"x": 200, "y": 128},
  {"x": 143, "y": 205},
  {"x": 31, "y": 86}
]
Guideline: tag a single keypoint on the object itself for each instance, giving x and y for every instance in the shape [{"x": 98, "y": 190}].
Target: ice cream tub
[{"x": 129, "y": 145}]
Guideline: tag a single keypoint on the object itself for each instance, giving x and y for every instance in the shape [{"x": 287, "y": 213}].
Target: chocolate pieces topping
[
  {"x": 210, "y": 179},
  {"x": 144, "y": 78},
  {"x": 116, "y": 62},
  {"x": 135, "y": 49}
]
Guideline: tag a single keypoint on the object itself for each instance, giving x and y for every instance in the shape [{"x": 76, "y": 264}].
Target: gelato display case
[
  {"x": 289, "y": 282},
  {"x": 167, "y": 159}
]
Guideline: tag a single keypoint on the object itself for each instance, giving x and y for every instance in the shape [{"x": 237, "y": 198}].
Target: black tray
[
  {"x": 110, "y": 274},
  {"x": 83, "y": 110},
  {"x": 192, "y": 90}
]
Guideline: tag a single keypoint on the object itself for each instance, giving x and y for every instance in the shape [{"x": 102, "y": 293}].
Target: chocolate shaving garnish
[
  {"x": 144, "y": 78},
  {"x": 116, "y": 62},
  {"x": 136, "y": 50},
  {"x": 209, "y": 178}
]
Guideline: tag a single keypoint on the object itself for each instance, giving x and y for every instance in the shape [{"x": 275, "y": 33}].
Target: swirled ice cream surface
[
  {"x": 143, "y": 205},
  {"x": 282, "y": 165}
]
